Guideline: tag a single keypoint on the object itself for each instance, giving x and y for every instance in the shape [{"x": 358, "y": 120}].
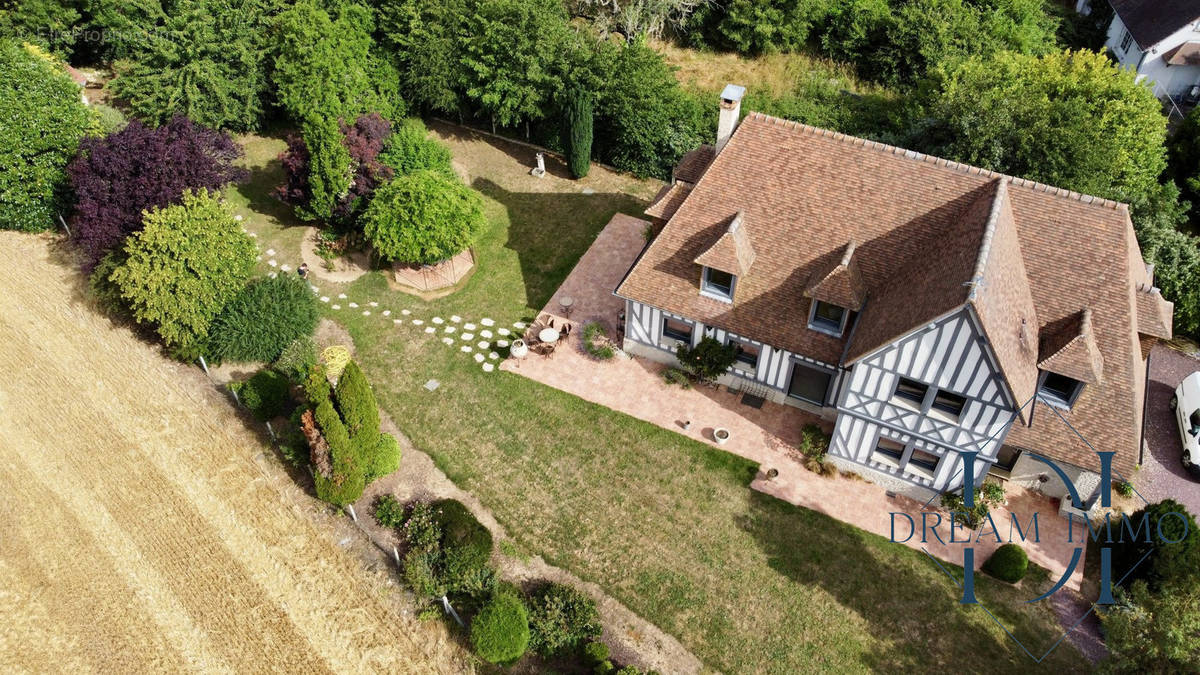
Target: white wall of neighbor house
[{"x": 1165, "y": 79}]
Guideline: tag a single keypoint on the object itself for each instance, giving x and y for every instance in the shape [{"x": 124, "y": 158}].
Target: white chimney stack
[{"x": 731, "y": 110}]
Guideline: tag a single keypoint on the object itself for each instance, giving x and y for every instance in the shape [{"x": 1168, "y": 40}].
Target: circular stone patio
[{"x": 433, "y": 280}]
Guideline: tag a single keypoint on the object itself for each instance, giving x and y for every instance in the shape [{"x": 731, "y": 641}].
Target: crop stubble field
[{"x": 138, "y": 533}]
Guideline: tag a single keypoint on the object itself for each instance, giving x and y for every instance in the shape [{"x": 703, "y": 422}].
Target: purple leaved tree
[{"x": 116, "y": 177}]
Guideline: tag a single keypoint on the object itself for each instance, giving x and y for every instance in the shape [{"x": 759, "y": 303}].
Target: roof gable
[
  {"x": 732, "y": 252},
  {"x": 1152, "y": 21},
  {"x": 840, "y": 282},
  {"x": 1068, "y": 347}
]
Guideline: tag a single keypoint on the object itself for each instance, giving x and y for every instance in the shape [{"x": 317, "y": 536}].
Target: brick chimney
[{"x": 731, "y": 109}]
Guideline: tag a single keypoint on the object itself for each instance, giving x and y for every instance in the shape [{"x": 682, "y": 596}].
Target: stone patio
[{"x": 768, "y": 435}]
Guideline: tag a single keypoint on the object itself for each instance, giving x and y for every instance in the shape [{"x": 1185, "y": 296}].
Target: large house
[
  {"x": 918, "y": 303},
  {"x": 1160, "y": 41}
]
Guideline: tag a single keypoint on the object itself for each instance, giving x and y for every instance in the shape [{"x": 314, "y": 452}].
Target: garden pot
[
  {"x": 518, "y": 349},
  {"x": 721, "y": 436}
]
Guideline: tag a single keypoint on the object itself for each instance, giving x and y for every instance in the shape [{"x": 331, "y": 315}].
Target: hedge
[
  {"x": 267, "y": 316},
  {"x": 466, "y": 543},
  {"x": 265, "y": 394}
]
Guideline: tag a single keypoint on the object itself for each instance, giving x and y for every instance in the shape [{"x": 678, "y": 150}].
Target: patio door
[{"x": 809, "y": 384}]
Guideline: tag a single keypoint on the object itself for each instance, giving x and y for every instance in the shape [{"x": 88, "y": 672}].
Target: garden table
[{"x": 548, "y": 335}]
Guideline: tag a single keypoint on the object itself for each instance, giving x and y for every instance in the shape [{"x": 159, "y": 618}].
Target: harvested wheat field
[{"x": 139, "y": 534}]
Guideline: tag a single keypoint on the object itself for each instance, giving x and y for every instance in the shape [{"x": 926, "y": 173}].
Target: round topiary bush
[
  {"x": 266, "y": 317},
  {"x": 500, "y": 631},
  {"x": 1009, "y": 563},
  {"x": 265, "y": 394},
  {"x": 423, "y": 218}
]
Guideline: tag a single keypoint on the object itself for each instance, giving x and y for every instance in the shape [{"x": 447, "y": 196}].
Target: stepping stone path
[
  {"x": 485, "y": 333},
  {"x": 519, "y": 325},
  {"x": 341, "y": 296},
  {"x": 479, "y": 358},
  {"x": 467, "y": 336},
  {"x": 487, "y": 322},
  {"x": 430, "y": 329},
  {"x": 354, "y": 305},
  {"x": 272, "y": 275},
  {"x": 432, "y": 384},
  {"x": 502, "y": 343},
  {"x": 493, "y": 356},
  {"x": 238, "y": 217},
  {"x": 483, "y": 344},
  {"x": 325, "y": 298},
  {"x": 387, "y": 312},
  {"x": 273, "y": 263},
  {"x": 456, "y": 318},
  {"x": 448, "y": 341},
  {"x": 417, "y": 322},
  {"x": 285, "y": 268},
  {"x": 397, "y": 321},
  {"x": 366, "y": 312},
  {"x": 466, "y": 349},
  {"x": 373, "y": 303},
  {"x": 449, "y": 329},
  {"x": 469, "y": 326},
  {"x": 503, "y": 331},
  {"x": 335, "y": 306},
  {"x": 438, "y": 319},
  {"x": 270, "y": 251},
  {"x": 405, "y": 312},
  {"x": 258, "y": 259},
  {"x": 488, "y": 367}
]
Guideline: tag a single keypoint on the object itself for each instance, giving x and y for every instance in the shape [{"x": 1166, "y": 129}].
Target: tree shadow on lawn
[
  {"x": 912, "y": 605},
  {"x": 550, "y": 231},
  {"x": 259, "y": 192}
]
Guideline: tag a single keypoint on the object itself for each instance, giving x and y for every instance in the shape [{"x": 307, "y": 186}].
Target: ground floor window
[
  {"x": 1007, "y": 458},
  {"x": 674, "y": 329},
  {"x": 747, "y": 355},
  {"x": 904, "y": 456},
  {"x": 809, "y": 384}
]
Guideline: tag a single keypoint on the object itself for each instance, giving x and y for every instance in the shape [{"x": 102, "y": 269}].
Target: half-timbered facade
[{"x": 926, "y": 308}]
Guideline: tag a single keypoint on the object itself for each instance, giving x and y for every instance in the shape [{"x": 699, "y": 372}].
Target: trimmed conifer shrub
[
  {"x": 579, "y": 132},
  {"x": 347, "y": 481},
  {"x": 1009, "y": 563},
  {"x": 356, "y": 402},
  {"x": 500, "y": 631},
  {"x": 267, "y": 316}
]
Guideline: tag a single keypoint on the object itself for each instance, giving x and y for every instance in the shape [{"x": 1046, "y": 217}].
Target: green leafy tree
[
  {"x": 266, "y": 317},
  {"x": 208, "y": 62},
  {"x": 426, "y": 38},
  {"x": 1184, "y": 159},
  {"x": 46, "y": 23},
  {"x": 328, "y": 71},
  {"x": 578, "y": 118},
  {"x": 1168, "y": 550},
  {"x": 42, "y": 120},
  {"x": 644, "y": 121},
  {"x": 1153, "y": 632},
  {"x": 423, "y": 218},
  {"x": 562, "y": 619},
  {"x": 708, "y": 360},
  {"x": 1176, "y": 258},
  {"x": 1071, "y": 119},
  {"x": 183, "y": 267},
  {"x": 409, "y": 149},
  {"x": 122, "y": 28},
  {"x": 512, "y": 57}
]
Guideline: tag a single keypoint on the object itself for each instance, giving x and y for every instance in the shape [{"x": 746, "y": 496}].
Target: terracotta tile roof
[
  {"x": 732, "y": 252},
  {"x": 840, "y": 282},
  {"x": 1186, "y": 54},
  {"x": 693, "y": 165},
  {"x": 1069, "y": 348},
  {"x": 1152, "y": 21},
  {"x": 807, "y": 193},
  {"x": 668, "y": 200},
  {"x": 1154, "y": 313}
]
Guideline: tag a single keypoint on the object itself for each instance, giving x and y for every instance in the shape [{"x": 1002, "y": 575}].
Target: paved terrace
[{"x": 768, "y": 436}]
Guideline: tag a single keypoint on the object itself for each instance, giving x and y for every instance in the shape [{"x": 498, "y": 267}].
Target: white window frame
[
  {"x": 925, "y": 407},
  {"x": 904, "y": 466},
  {"x": 742, "y": 366},
  {"x": 812, "y": 315},
  {"x": 708, "y": 291},
  {"x": 668, "y": 342},
  {"x": 1126, "y": 40}
]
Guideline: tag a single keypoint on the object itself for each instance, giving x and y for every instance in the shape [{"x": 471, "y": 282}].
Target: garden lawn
[
  {"x": 667, "y": 525},
  {"x": 274, "y": 225}
]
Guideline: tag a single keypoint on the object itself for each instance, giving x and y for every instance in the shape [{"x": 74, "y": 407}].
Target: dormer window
[
  {"x": 1059, "y": 390},
  {"x": 717, "y": 284},
  {"x": 827, "y": 318}
]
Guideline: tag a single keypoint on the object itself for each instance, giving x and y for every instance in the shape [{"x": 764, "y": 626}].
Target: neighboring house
[
  {"x": 1160, "y": 40},
  {"x": 917, "y": 302}
]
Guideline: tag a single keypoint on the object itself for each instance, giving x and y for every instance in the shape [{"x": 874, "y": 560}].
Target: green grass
[{"x": 667, "y": 525}]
